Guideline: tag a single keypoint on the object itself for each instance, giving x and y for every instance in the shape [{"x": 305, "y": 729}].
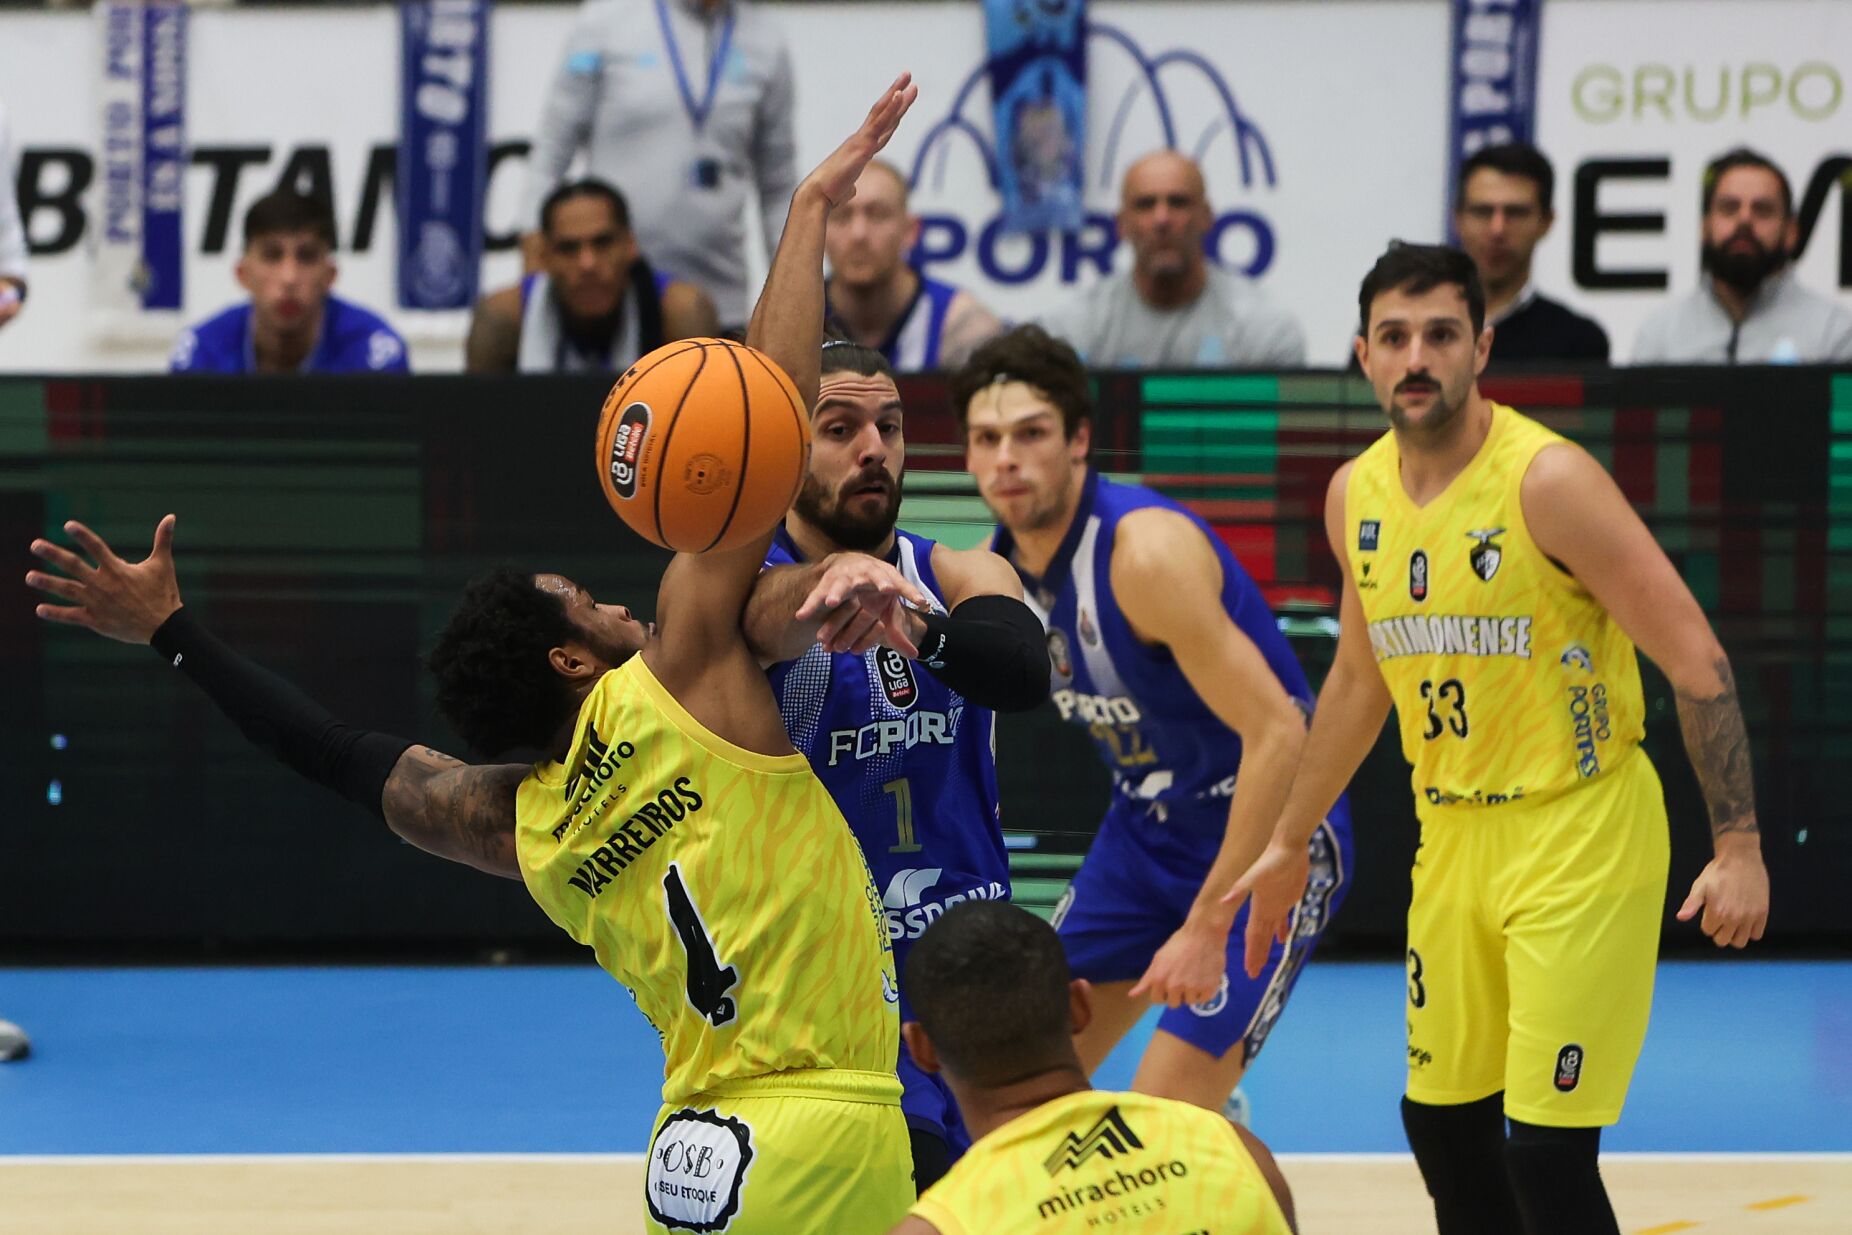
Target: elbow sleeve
[{"x": 990, "y": 649}]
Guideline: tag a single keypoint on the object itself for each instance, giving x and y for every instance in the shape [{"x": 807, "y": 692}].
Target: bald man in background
[{"x": 1174, "y": 308}]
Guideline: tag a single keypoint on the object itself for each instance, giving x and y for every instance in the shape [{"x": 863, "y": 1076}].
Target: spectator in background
[
  {"x": 686, "y": 103},
  {"x": 1502, "y": 211},
  {"x": 291, "y": 323},
  {"x": 12, "y": 253},
  {"x": 594, "y": 306},
  {"x": 880, "y": 301},
  {"x": 1748, "y": 309},
  {"x": 13, "y": 1041},
  {"x": 1174, "y": 308}
]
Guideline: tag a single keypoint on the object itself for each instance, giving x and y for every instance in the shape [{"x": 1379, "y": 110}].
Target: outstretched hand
[
  {"x": 125, "y": 601},
  {"x": 835, "y": 177},
  {"x": 1276, "y": 882},
  {"x": 862, "y": 601}
]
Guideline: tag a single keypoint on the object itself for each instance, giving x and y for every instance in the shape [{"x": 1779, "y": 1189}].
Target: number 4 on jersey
[{"x": 709, "y": 979}]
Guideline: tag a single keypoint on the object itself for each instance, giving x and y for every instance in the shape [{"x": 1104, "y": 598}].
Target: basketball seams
[
  {"x": 745, "y": 463},
  {"x": 783, "y": 383},
  {"x": 662, "y": 455}
]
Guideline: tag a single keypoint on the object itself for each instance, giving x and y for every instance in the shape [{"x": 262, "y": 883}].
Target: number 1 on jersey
[
  {"x": 903, "y": 816},
  {"x": 709, "y": 979}
]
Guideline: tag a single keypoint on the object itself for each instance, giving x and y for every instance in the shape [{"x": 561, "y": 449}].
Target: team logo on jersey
[
  {"x": 1568, "y": 1068},
  {"x": 1109, "y": 1137},
  {"x": 627, "y": 449},
  {"x": 1418, "y": 575},
  {"x": 1057, "y": 654},
  {"x": 1575, "y": 656},
  {"x": 1368, "y": 530},
  {"x": 1364, "y": 582},
  {"x": 897, "y": 681},
  {"x": 1088, "y": 634},
  {"x": 1215, "y": 1003},
  {"x": 1487, "y": 554},
  {"x": 697, "y": 1164}
]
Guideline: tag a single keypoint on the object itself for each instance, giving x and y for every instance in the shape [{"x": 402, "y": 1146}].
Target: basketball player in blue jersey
[
  {"x": 876, "y": 297},
  {"x": 904, "y": 745},
  {"x": 1163, "y": 647}
]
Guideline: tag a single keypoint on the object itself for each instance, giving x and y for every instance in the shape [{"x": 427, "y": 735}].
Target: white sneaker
[
  {"x": 14, "y": 1044},
  {"x": 1238, "y": 1109}
]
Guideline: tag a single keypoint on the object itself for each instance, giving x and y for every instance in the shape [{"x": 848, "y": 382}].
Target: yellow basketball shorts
[
  {"x": 777, "y": 1155},
  {"x": 1532, "y": 940}
]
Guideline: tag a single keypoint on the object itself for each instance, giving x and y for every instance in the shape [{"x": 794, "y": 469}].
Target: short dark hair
[
  {"x": 590, "y": 186},
  {"x": 494, "y": 684},
  {"x": 1512, "y": 159},
  {"x": 285, "y": 210},
  {"x": 1418, "y": 268},
  {"x": 1743, "y": 156},
  {"x": 1028, "y": 354},
  {"x": 848, "y": 356},
  {"x": 989, "y": 983}
]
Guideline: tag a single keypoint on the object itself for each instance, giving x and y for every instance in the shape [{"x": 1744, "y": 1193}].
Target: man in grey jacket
[
  {"x": 687, "y": 104},
  {"x": 1749, "y": 307},
  {"x": 1174, "y": 308}
]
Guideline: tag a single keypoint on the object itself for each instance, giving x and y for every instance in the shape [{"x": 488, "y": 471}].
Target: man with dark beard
[
  {"x": 904, "y": 746},
  {"x": 1749, "y": 309}
]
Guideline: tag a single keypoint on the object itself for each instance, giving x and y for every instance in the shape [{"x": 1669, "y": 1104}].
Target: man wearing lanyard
[{"x": 686, "y": 103}]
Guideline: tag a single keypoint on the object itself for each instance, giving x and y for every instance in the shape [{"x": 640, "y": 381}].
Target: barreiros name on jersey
[
  {"x": 1448, "y": 634},
  {"x": 883, "y": 737},
  {"x": 1096, "y": 709},
  {"x": 626, "y": 844}
]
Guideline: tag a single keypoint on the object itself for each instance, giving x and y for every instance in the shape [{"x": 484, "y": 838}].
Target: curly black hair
[
  {"x": 1032, "y": 355},
  {"x": 494, "y": 685}
]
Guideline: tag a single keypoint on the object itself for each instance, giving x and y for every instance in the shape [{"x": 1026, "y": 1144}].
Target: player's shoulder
[
  {"x": 213, "y": 345},
  {"x": 1158, "y": 550},
  {"x": 964, "y": 573},
  {"x": 503, "y": 301},
  {"x": 362, "y": 339}
]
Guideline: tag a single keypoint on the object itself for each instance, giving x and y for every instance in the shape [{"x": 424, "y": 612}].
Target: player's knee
[
  {"x": 1460, "y": 1150},
  {"x": 1556, "y": 1176}
]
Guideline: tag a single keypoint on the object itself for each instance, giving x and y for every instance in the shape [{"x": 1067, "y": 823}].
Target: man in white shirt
[
  {"x": 1749, "y": 308},
  {"x": 1174, "y": 309}
]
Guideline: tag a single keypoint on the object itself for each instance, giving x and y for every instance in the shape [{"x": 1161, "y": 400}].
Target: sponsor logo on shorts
[
  {"x": 1215, "y": 1003},
  {"x": 1368, "y": 532},
  {"x": 697, "y": 1166},
  {"x": 1487, "y": 554},
  {"x": 627, "y": 449},
  {"x": 1109, "y": 1137},
  {"x": 1568, "y": 1068},
  {"x": 1418, "y": 575},
  {"x": 897, "y": 681}
]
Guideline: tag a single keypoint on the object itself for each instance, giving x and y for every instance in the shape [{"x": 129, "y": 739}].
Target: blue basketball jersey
[
  {"x": 352, "y": 340},
  {"x": 1161, "y": 741},
  {"x": 909, "y": 761}
]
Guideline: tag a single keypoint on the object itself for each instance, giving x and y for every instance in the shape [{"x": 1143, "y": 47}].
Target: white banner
[{"x": 1321, "y": 128}]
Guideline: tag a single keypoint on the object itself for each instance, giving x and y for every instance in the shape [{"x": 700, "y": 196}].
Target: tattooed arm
[
  {"x": 455, "y": 810},
  {"x": 1579, "y": 517}
]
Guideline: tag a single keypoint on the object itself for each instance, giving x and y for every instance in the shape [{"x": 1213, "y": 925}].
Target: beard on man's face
[
  {"x": 1743, "y": 267},
  {"x": 860, "y": 529}
]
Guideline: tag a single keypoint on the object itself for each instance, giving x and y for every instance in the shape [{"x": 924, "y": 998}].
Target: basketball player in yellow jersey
[
  {"x": 997, "y": 1018},
  {"x": 1496, "y": 583},
  {"x": 670, "y": 826}
]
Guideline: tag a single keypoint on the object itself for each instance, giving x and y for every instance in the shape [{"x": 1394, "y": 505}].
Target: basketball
[{"x": 702, "y": 445}]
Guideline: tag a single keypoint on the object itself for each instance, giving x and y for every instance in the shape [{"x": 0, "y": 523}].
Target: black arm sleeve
[
  {"x": 279, "y": 719},
  {"x": 992, "y": 650}
]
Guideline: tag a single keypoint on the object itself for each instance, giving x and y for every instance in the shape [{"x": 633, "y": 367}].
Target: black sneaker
[{"x": 14, "y": 1044}]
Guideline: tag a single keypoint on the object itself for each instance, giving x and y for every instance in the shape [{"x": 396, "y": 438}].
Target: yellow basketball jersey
[
  {"x": 1510, "y": 681},
  {"x": 721, "y": 886},
  {"x": 1097, "y": 1160}
]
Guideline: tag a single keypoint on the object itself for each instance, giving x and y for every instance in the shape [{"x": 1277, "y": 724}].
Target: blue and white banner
[
  {"x": 140, "y": 254},
  {"x": 1492, "y": 95},
  {"x": 443, "y": 167},
  {"x": 1038, "y": 87}
]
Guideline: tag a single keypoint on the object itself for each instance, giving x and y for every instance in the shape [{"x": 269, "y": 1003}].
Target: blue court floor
[{"x": 1742, "y": 1056}]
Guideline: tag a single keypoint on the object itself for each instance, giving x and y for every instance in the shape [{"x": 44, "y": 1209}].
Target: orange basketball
[{"x": 702, "y": 445}]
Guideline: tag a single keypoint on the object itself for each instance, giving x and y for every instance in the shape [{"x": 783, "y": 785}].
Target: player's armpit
[{"x": 455, "y": 810}]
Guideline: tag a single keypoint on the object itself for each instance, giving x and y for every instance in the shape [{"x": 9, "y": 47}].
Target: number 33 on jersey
[{"x": 1510, "y": 681}]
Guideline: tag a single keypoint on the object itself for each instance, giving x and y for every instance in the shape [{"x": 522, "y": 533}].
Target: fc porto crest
[
  {"x": 1418, "y": 575},
  {"x": 1487, "y": 554}
]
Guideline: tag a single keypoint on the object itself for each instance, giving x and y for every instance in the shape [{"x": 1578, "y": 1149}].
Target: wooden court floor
[{"x": 1724, "y": 1194}]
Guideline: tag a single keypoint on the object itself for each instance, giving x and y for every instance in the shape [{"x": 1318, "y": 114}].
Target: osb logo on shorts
[{"x": 697, "y": 1166}]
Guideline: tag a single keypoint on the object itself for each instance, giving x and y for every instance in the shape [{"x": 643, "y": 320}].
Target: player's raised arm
[
  {"x": 848, "y": 602},
  {"x": 1169, "y": 584},
  {"x": 1352, "y": 705},
  {"x": 438, "y": 803},
  {"x": 1579, "y": 517}
]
